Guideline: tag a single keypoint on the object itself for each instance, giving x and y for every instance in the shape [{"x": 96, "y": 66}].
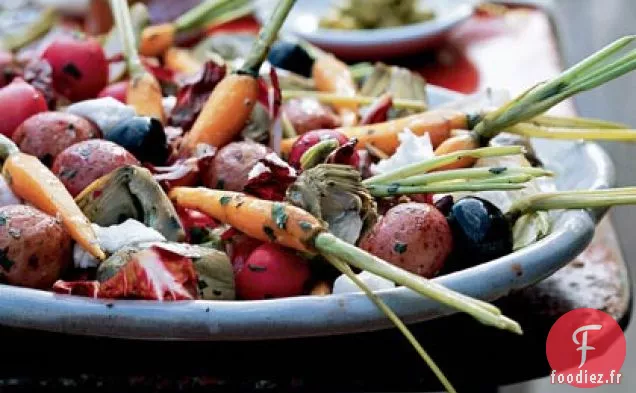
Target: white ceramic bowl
[{"x": 357, "y": 44}]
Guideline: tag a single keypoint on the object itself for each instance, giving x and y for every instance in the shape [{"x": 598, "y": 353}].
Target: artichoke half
[
  {"x": 131, "y": 192},
  {"x": 334, "y": 194}
]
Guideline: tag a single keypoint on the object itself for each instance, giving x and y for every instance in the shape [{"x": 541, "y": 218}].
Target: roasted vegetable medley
[{"x": 135, "y": 166}]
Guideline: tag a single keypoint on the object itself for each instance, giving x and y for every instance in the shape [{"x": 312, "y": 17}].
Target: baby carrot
[
  {"x": 229, "y": 106},
  {"x": 384, "y": 136},
  {"x": 261, "y": 219},
  {"x": 333, "y": 76},
  {"x": 293, "y": 227},
  {"x": 36, "y": 184},
  {"x": 156, "y": 39},
  {"x": 144, "y": 92},
  {"x": 181, "y": 61}
]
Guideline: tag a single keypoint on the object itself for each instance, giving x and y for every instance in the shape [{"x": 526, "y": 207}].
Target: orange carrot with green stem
[
  {"x": 156, "y": 39},
  {"x": 144, "y": 92},
  {"x": 333, "y": 76},
  {"x": 230, "y": 105},
  {"x": 35, "y": 183},
  {"x": 522, "y": 115}
]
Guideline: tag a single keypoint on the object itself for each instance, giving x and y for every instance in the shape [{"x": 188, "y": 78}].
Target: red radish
[
  {"x": 19, "y": 101},
  {"x": 413, "y": 236},
  {"x": 272, "y": 271},
  {"x": 116, "y": 90},
  {"x": 195, "y": 222},
  {"x": 309, "y": 139},
  {"x": 80, "y": 68}
]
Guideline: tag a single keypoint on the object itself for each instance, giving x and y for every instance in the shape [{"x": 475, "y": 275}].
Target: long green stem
[
  {"x": 330, "y": 98},
  {"x": 574, "y": 122},
  {"x": 16, "y": 40},
  {"x": 379, "y": 303},
  {"x": 266, "y": 37},
  {"x": 381, "y": 190},
  {"x": 207, "y": 12},
  {"x": 470, "y": 174},
  {"x": 588, "y": 74},
  {"x": 532, "y": 131},
  {"x": 440, "y": 161},
  {"x": 123, "y": 21},
  {"x": 581, "y": 199},
  {"x": 330, "y": 245}
]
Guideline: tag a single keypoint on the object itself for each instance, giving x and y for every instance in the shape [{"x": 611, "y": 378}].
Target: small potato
[
  {"x": 34, "y": 247},
  {"x": 306, "y": 115},
  {"x": 82, "y": 163},
  {"x": 232, "y": 165},
  {"x": 413, "y": 236},
  {"x": 47, "y": 134}
]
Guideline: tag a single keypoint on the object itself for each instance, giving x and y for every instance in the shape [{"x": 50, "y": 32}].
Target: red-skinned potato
[
  {"x": 47, "y": 134},
  {"x": 232, "y": 164},
  {"x": 413, "y": 236},
  {"x": 35, "y": 248},
  {"x": 82, "y": 163},
  {"x": 272, "y": 271},
  {"x": 80, "y": 68},
  {"x": 19, "y": 101},
  {"x": 307, "y": 115},
  {"x": 311, "y": 138},
  {"x": 117, "y": 91}
]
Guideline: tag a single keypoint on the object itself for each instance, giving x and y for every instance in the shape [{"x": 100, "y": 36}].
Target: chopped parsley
[
  {"x": 225, "y": 200},
  {"x": 270, "y": 233},
  {"x": 279, "y": 215},
  {"x": 400, "y": 247}
]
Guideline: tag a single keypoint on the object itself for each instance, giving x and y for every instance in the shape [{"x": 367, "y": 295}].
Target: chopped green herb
[
  {"x": 400, "y": 247},
  {"x": 270, "y": 233},
  {"x": 202, "y": 284},
  {"x": 68, "y": 173},
  {"x": 225, "y": 200},
  {"x": 5, "y": 262},
  {"x": 3, "y": 219},
  {"x": 256, "y": 268},
  {"x": 497, "y": 170},
  {"x": 279, "y": 215},
  {"x": 305, "y": 226}
]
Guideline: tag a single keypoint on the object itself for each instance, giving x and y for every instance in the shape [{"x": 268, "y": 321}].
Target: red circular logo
[{"x": 586, "y": 348}]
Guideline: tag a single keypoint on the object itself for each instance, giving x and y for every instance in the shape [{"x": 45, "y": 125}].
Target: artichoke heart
[
  {"x": 131, "y": 192},
  {"x": 334, "y": 194},
  {"x": 213, "y": 267}
]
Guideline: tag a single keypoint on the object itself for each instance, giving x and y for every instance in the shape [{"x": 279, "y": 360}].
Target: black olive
[
  {"x": 291, "y": 57},
  {"x": 481, "y": 233},
  {"x": 144, "y": 137}
]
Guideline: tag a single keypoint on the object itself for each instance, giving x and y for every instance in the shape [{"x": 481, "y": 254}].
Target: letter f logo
[{"x": 584, "y": 347}]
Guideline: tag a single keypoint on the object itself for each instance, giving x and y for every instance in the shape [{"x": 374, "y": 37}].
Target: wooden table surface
[{"x": 512, "y": 51}]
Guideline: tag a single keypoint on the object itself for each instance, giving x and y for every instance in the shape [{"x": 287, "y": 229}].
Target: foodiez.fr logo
[{"x": 586, "y": 348}]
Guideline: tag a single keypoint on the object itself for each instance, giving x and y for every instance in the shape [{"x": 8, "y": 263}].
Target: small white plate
[{"x": 304, "y": 21}]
